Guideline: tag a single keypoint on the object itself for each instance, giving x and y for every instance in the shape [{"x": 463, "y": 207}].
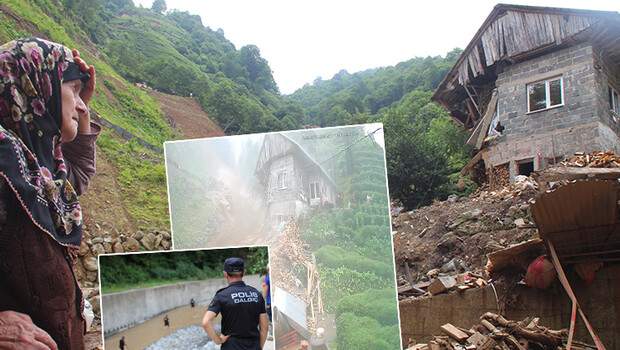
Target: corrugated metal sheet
[{"x": 580, "y": 218}]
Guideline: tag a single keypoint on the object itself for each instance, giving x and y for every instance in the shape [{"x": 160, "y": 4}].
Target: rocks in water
[{"x": 192, "y": 337}]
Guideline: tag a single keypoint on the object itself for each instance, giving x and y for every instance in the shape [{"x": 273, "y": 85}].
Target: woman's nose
[{"x": 80, "y": 106}]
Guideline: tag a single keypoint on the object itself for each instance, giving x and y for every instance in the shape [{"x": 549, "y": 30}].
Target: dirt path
[{"x": 186, "y": 115}]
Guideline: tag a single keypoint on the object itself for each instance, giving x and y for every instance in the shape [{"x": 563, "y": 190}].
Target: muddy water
[{"x": 144, "y": 334}]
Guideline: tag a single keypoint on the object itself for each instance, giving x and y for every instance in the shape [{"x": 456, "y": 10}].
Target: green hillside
[
  {"x": 424, "y": 147},
  {"x": 175, "y": 53}
]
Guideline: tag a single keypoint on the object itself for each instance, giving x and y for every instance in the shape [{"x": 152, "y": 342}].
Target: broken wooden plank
[
  {"x": 486, "y": 120},
  {"x": 482, "y": 342},
  {"x": 441, "y": 284},
  {"x": 454, "y": 332},
  {"x": 407, "y": 288},
  {"x": 473, "y": 161},
  {"x": 513, "y": 255}
]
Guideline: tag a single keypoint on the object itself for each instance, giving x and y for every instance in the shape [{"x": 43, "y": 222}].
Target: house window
[
  {"x": 282, "y": 180},
  {"x": 545, "y": 94},
  {"x": 614, "y": 102},
  {"x": 314, "y": 190}
]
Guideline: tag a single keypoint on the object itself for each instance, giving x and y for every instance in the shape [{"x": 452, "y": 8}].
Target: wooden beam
[
  {"x": 486, "y": 120},
  {"x": 473, "y": 101},
  {"x": 475, "y": 159}
]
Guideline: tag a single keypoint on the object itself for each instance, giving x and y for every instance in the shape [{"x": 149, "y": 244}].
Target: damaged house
[
  {"x": 535, "y": 85},
  {"x": 532, "y": 263},
  {"x": 293, "y": 180}
]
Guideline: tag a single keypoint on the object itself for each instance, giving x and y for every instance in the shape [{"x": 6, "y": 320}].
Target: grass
[{"x": 142, "y": 179}]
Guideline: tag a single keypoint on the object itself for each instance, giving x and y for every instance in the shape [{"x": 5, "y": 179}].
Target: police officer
[{"x": 244, "y": 319}]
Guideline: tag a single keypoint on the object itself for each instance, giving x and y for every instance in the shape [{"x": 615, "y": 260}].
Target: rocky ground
[
  {"x": 108, "y": 228},
  {"x": 454, "y": 236},
  {"x": 192, "y": 337}
]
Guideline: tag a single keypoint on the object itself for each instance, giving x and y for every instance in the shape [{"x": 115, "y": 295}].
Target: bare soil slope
[{"x": 186, "y": 115}]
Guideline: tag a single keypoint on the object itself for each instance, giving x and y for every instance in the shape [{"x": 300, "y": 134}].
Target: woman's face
[{"x": 72, "y": 109}]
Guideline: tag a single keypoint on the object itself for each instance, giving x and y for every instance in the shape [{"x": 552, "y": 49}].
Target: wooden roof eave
[{"x": 442, "y": 91}]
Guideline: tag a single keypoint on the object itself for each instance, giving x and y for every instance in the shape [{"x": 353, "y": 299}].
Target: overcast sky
[{"x": 304, "y": 39}]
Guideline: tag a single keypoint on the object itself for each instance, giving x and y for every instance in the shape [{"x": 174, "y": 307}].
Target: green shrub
[
  {"x": 356, "y": 332},
  {"x": 335, "y": 257},
  {"x": 377, "y": 304}
]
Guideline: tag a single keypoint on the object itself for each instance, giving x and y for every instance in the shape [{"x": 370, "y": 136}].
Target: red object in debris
[
  {"x": 541, "y": 273},
  {"x": 587, "y": 270}
]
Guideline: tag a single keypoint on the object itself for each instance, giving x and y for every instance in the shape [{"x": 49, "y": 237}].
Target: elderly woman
[{"x": 47, "y": 156}]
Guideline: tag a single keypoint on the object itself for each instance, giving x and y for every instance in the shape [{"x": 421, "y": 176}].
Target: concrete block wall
[
  {"x": 578, "y": 125},
  {"x": 422, "y": 318},
  {"x": 125, "y": 309},
  {"x": 606, "y": 74}
]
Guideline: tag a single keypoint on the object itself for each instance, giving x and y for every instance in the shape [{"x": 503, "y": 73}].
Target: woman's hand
[
  {"x": 17, "y": 331},
  {"x": 87, "y": 91}
]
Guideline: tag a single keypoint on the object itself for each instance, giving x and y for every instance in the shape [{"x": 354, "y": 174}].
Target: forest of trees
[
  {"x": 174, "y": 52},
  {"x": 120, "y": 272}
]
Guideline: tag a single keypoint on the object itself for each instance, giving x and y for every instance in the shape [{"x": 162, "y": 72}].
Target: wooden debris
[
  {"x": 518, "y": 255},
  {"x": 481, "y": 342},
  {"x": 593, "y": 160},
  {"x": 545, "y": 338},
  {"x": 496, "y": 332},
  {"x": 441, "y": 284},
  {"x": 454, "y": 332}
]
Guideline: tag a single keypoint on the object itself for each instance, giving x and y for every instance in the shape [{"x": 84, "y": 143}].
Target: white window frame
[
  {"x": 547, "y": 94},
  {"x": 316, "y": 192},
  {"x": 615, "y": 103},
  {"x": 281, "y": 180}
]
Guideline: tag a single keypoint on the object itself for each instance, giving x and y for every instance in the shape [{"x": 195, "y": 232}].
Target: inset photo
[
  {"x": 318, "y": 198},
  {"x": 191, "y": 299}
]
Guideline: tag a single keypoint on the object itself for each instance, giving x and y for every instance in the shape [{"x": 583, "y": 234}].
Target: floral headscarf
[{"x": 31, "y": 160}]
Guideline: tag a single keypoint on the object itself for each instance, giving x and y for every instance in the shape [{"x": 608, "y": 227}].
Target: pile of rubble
[
  {"x": 496, "y": 332},
  {"x": 442, "y": 283},
  {"x": 438, "y": 244},
  {"x": 445, "y": 245},
  {"x": 289, "y": 254}
]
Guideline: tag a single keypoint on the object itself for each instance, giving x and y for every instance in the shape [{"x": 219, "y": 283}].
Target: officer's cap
[{"x": 233, "y": 265}]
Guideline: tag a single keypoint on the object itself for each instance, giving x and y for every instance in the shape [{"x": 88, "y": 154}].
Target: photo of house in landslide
[
  {"x": 293, "y": 180},
  {"x": 537, "y": 84}
]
